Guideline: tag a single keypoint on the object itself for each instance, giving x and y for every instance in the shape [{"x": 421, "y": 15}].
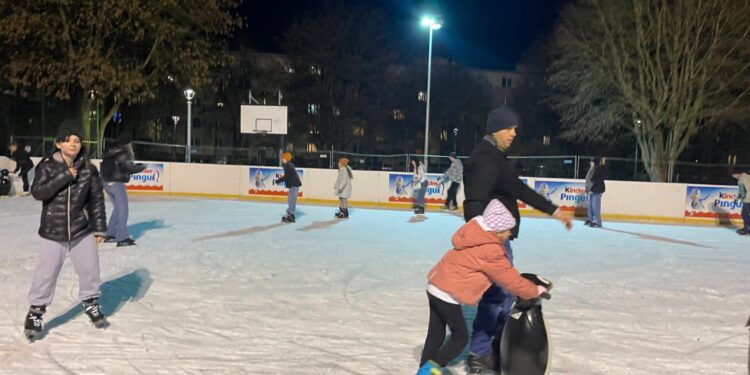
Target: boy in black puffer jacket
[
  {"x": 73, "y": 223},
  {"x": 117, "y": 166}
]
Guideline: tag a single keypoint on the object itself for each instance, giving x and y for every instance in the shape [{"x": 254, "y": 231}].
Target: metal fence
[{"x": 562, "y": 166}]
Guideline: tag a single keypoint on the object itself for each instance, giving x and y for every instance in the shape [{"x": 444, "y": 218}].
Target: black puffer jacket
[
  {"x": 490, "y": 175},
  {"x": 72, "y": 207},
  {"x": 117, "y": 165},
  {"x": 290, "y": 178}
]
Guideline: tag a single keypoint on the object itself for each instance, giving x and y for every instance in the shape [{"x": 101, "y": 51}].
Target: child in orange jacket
[{"x": 477, "y": 260}]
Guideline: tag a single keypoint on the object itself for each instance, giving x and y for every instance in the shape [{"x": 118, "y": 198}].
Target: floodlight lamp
[{"x": 189, "y": 94}]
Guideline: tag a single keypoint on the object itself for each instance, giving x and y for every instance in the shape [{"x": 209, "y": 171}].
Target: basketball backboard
[{"x": 263, "y": 119}]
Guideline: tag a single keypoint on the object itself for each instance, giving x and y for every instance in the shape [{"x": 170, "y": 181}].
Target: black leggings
[
  {"x": 441, "y": 314},
  {"x": 452, "y": 190}
]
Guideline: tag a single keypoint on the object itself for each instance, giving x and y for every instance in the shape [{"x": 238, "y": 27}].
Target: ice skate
[
  {"x": 93, "y": 311},
  {"x": 430, "y": 368},
  {"x": 481, "y": 364},
  {"x": 33, "y": 324},
  {"x": 343, "y": 214},
  {"x": 289, "y": 218}
]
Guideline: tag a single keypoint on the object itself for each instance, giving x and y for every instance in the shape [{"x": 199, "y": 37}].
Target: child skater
[
  {"x": 291, "y": 181},
  {"x": 477, "y": 260}
]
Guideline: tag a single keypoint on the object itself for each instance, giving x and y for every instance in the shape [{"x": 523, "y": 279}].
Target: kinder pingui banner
[
  {"x": 148, "y": 180},
  {"x": 569, "y": 196},
  {"x": 263, "y": 181},
  {"x": 401, "y": 188},
  {"x": 712, "y": 202}
]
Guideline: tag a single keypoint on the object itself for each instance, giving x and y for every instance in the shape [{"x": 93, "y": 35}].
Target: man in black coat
[
  {"x": 490, "y": 175},
  {"x": 116, "y": 168},
  {"x": 23, "y": 164}
]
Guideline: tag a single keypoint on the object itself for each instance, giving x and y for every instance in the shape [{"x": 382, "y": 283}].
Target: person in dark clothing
[
  {"x": 595, "y": 188},
  {"x": 291, "y": 180},
  {"x": 490, "y": 175},
  {"x": 23, "y": 163},
  {"x": 454, "y": 174},
  {"x": 73, "y": 223},
  {"x": 117, "y": 166}
]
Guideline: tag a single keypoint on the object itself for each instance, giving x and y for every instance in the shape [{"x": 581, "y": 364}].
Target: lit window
[
  {"x": 312, "y": 109},
  {"x": 311, "y": 147},
  {"x": 444, "y": 135},
  {"x": 288, "y": 69},
  {"x": 421, "y": 96},
  {"x": 506, "y": 82},
  {"x": 546, "y": 140},
  {"x": 336, "y": 111},
  {"x": 359, "y": 131},
  {"x": 398, "y": 114},
  {"x": 315, "y": 70}
]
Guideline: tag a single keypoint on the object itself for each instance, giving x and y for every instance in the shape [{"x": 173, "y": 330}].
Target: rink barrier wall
[{"x": 623, "y": 200}]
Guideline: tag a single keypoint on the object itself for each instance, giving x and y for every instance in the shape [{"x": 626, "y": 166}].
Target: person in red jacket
[{"x": 477, "y": 260}]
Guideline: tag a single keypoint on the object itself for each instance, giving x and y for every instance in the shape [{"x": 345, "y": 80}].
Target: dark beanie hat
[
  {"x": 502, "y": 118},
  {"x": 596, "y": 160},
  {"x": 66, "y": 131}
]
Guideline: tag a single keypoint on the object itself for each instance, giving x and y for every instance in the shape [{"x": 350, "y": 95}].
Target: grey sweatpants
[
  {"x": 118, "y": 221},
  {"x": 291, "y": 200},
  {"x": 85, "y": 257}
]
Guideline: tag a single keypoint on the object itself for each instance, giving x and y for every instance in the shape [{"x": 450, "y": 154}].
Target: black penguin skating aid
[{"x": 524, "y": 346}]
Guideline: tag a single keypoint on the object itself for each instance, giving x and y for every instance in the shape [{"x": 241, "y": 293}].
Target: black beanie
[
  {"x": 66, "y": 131},
  {"x": 502, "y": 118}
]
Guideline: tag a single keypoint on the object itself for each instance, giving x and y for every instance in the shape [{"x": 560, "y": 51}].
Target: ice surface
[{"x": 222, "y": 287}]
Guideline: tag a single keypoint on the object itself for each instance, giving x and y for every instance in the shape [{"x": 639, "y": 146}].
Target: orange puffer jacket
[{"x": 475, "y": 262}]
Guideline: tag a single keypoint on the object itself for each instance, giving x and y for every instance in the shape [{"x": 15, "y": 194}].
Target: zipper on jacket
[{"x": 69, "y": 230}]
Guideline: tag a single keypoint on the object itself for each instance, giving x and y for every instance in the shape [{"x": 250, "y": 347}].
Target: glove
[{"x": 542, "y": 292}]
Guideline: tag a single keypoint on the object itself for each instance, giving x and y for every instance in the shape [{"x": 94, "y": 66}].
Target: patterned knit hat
[{"x": 497, "y": 218}]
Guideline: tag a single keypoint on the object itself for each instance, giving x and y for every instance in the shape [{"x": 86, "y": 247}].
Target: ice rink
[{"x": 222, "y": 287}]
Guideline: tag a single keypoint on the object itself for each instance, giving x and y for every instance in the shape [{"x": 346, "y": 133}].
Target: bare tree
[{"x": 664, "y": 70}]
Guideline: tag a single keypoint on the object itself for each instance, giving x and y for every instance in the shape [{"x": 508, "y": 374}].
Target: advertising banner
[
  {"x": 712, "y": 202},
  {"x": 569, "y": 196},
  {"x": 151, "y": 179},
  {"x": 263, "y": 181},
  {"x": 401, "y": 188}
]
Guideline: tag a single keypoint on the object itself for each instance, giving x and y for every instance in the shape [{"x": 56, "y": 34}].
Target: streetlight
[
  {"x": 433, "y": 24},
  {"x": 455, "y": 136},
  {"x": 189, "y": 95},
  {"x": 176, "y": 119}
]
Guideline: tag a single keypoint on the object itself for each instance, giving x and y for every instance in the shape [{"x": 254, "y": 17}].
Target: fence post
[
  {"x": 578, "y": 160},
  {"x": 330, "y": 162}
]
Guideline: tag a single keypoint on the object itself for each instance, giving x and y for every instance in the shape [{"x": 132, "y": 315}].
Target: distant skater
[
  {"x": 291, "y": 181},
  {"x": 343, "y": 188}
]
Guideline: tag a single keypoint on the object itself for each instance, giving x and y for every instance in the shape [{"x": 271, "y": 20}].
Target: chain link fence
[{"x": 562, "y": 166}]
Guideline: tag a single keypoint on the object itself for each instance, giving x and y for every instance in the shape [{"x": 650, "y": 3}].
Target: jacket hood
[
  {"x": 113, "y": 150},
  {"x": 472, "y": 234}
]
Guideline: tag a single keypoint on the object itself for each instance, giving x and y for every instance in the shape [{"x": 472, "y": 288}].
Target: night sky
[{"x": 477, "y": 33}]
